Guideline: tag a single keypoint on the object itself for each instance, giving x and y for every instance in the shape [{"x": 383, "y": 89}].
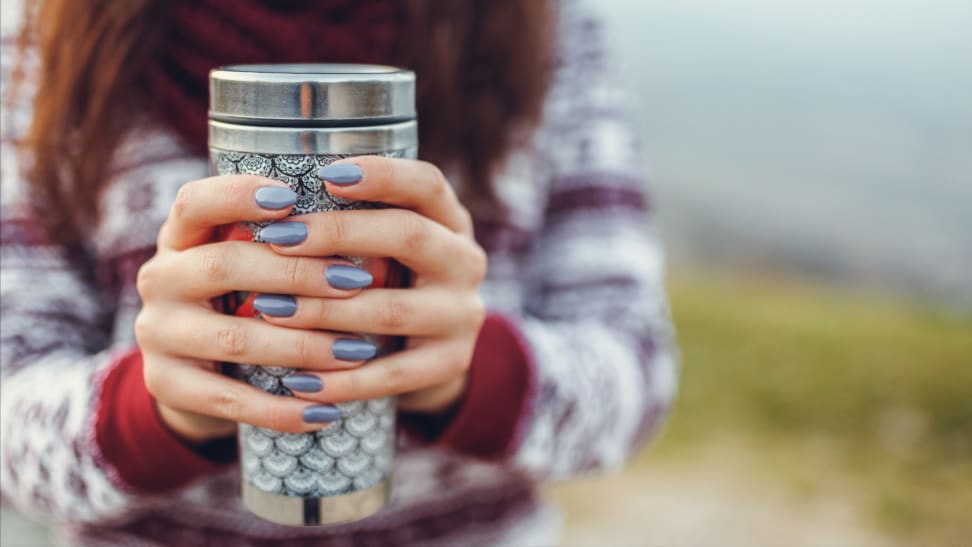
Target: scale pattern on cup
[
  {"x": 351, "y": 454},
  {"x": 324, "y": 463}
]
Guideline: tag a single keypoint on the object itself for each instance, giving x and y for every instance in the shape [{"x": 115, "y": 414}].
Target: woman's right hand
[{"x": 183, "y": 338}]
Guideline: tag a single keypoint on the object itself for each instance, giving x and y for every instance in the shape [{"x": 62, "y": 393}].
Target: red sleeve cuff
[
  {"x": 133, "y": 438},
  {"x": 487, "y": 422}
]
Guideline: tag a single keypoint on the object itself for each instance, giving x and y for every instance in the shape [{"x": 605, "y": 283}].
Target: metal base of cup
[{"x": 295, "y": 511}]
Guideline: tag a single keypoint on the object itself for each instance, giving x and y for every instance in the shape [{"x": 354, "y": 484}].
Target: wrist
[
  {"x": 147, "y": 454},
  {"x": 486, "y": 420}
]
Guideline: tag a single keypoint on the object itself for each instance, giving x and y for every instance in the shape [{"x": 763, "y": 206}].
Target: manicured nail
[
  {"x": 352, "y": 349},
  {"x": 348, "y": 277},
  {"x": 276, "y": 305},
  {"x": 319, "y": 414},
  {"x": 304, "y": 383},
  {"x": 284, "y": 233},
  {"x": 275, "y": 197},
  {"x": 343, "y": 174}
]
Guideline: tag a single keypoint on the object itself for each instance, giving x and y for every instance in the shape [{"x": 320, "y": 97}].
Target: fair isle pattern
[{"x": 575, "y": 263}]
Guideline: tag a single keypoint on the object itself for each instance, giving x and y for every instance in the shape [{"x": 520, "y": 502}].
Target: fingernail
[
  {"x": 284, "y": 233},
  {"x": 319, "y": 414},
  {"x": 276, "y": 305},
  {"x": 275, "y": 197},
  {"x": 305, "y": 383},
  {"x": 341, "y": 173},
  {"x": 352, "y": 349},
  {"x": 348, "y": 277}
]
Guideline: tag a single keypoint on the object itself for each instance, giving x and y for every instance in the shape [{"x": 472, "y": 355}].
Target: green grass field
[{"x": 828, "y": 386}]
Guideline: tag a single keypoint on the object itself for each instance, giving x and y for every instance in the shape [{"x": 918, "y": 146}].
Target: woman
[{"x": 115, "y": 423}]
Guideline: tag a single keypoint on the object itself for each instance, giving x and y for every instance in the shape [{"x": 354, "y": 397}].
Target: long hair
[{"x": 482, "y": 66}]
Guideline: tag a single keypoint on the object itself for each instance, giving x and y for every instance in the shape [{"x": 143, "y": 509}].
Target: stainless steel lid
[{"x": 311, "y": 95}]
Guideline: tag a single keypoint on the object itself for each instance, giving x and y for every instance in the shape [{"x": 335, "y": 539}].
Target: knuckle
[
  {"x": 352, "y": 385},
  {"x": 439, "y": 187},
  {"x": 143, "y": 328},
  {"x": 324, "y": 312},
  {"x": 232, "y": 340},
  {"x": 395, "y": 377},
  {"x": 382, "y": 170},
  {"x": 146, "y": 280},
  {"x": 164, "y": 230},
  {"x": 294, "y": 271},
  {"x": 455, "y": 359},
  {"x": 338, "y": 230},
  {"x": 155, "y": 382},
  {"x": 455, "y": 366},
  {"x": 306, "y": 350},
  {"x": 238, "y": 192},
  {"x": 465, "y": 219},
  {"x": 477, "y": 310},
  {"x": 216, "y": 264},
  {"x": 308, "y": 275},
  {"x": 414, "y": 232},
  {"x": 276, "y": 417},
  {"x": 478, "y": 263},
  {"x": 183, "y": 201},
  {"x": 228, "y": 403},
  {"x": 394, "y": 314},
  {"x": 463, "y": 365}
]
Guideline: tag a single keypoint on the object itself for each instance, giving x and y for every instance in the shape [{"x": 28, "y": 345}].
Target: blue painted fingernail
[
  {"x": 343, "y": 174},
  {"x": 275, "y": 197},
  {"x": 276, "y": 305},
  {"x": 352, "y": 349},
  {"x": 304, "y": 383},
  {"x": 319, "y": 414},
  {"x": 284, "y": 233},
  {"x": 348, "y": 277}
]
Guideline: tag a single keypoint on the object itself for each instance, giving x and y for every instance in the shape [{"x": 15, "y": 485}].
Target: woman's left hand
[{"x": 431, "y": 233}]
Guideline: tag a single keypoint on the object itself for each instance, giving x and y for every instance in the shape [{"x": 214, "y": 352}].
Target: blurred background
[{"x": 811, "y": 165}]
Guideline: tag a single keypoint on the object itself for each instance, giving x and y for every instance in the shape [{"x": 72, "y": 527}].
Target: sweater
[{"x": 573, "y": 370}]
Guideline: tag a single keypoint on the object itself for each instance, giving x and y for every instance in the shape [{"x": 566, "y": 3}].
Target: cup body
[{"x": 342, "y": 472}]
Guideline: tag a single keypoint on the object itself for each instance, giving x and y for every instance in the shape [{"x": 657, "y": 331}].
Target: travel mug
[{"x": 285, "y": 122}]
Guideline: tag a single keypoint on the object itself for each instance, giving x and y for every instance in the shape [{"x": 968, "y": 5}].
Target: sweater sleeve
[
  {"x": 54, "y": 355},
  {"x": 585, "y": 371},
  {"x": 82, "y": 440},
  {"x": 76, "y": 423},
  {"x": 596, "y": 324}
]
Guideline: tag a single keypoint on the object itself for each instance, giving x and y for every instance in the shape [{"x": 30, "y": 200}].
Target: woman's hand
[
  {"x": 428, "y": 231},
  {"x": 182, "y": 337}
]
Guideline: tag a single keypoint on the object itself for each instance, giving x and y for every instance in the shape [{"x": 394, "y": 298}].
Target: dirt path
[{"x": 709, "y": 501}]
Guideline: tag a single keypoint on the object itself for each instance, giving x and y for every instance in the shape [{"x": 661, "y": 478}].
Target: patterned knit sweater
[{"x": 573, "y": 370}]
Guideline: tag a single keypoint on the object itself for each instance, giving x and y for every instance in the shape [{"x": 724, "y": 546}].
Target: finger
[
  {"x": 185, "y": 387},
  {"x": 397, "y": 373},
  {"x": 426, "y": 247},
  {"x": 197, "y": 333},
  {"x": 202, "y": 205},
  {"x": 214, "y": 269},
  {"x": 416, "y": 185},
  {"x": 404, "y": 312}
]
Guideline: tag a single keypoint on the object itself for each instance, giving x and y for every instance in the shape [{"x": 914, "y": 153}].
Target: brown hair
[{"x": 482, "y": 66}]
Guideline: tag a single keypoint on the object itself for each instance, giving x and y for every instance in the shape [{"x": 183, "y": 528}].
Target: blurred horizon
[{"x": 825, "y": 139}]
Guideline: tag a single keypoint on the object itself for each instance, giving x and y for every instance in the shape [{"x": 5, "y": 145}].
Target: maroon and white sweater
[{"x": 573, "y": 370}]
